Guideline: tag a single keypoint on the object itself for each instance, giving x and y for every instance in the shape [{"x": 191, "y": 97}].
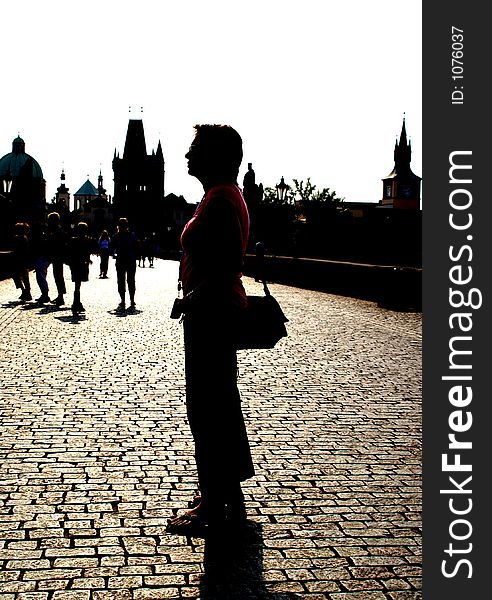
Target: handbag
[{"x": 261, "y": 324}]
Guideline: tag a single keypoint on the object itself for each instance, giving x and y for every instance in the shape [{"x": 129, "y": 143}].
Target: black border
[{"x": 451, "y": 127}]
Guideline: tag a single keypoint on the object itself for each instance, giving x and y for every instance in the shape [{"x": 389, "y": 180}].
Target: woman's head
[
  {"x": 53, "y": 219},
  {"x": 21, "y": 229},
  {"x": 215, "y": 153},
  {"x": 123, "y": 224},
  {"x": 81, "y": 229}
]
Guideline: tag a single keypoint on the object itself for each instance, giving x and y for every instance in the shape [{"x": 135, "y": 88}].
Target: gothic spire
[
  {"x": 159, "y": 153},
  {"x": 403, "y": 150}
]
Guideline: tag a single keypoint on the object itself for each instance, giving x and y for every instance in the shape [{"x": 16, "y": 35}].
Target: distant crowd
[{"x": 42, "y": 245}]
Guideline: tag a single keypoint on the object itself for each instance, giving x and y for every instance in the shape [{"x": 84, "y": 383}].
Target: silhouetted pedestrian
[
  {"x": 103, "y": 251},
  {"x": 21, "y": 260},
  {"x": 141, "y": 256},
  {"x": 125, "y": 247},
  {"x": 37, "y": 240},
  {"x": 214, "y": 242},
  {"x": 148, "y": 250},
  {"x": 79, "y": 257},
  {"x": 56, "y": 249},
  {"x": 260, "y": 261}
]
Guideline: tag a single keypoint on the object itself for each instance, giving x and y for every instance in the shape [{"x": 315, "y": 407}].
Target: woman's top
[
  {"x": 79, "y": 256},
  {"x": 37, "y": 241},
  {"x": 125, "y": 245},
  {"x": 214, "y": 243},
  {"x": 56, "y": 244},
  {"x": 103, "y": 245},
  {"x": 21, "y": 254}
]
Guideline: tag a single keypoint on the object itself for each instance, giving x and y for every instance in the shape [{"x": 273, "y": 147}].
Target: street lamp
[{"x": 282, "y": 189}]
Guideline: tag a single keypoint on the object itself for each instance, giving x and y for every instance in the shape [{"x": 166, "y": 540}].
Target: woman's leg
[
  {"x": 130, "y": 274},
  {"x": 41, "y": 268},
  {"x": 104, "y": 263},
  {"x": 26, "y": 284},
  {"x": 24, "y": 275},
  {"x": 121, "y": 279},
  {"x": 76, "y": 295},
  {"x": 222, "y": 452},
  {"x": 59, "y": 278}
]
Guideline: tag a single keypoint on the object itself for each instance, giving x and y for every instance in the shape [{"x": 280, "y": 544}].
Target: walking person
[
  {"x": 126, "y": 248},
  {"x": 79, "y": 259},
  {"x": 56, "y": 249},
  {"x": 214, "y": 242},
  {"x": 260, "y": 261},
  {"x": 141, "y": 255},
  {"x": 103, "y": 251},
  {"x": 21, "y": 261},
  {"x": 148, "y": 249},
  {"x": 37, "y": 241}
]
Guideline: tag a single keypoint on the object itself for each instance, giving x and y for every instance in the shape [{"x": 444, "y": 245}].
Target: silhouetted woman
[
  {"x": 125, "y": 245},
  {"x": 37, "y": 242},
  {"x": 214, "y": 242},
  {"x": 79, "y": 258},
  {"x": 21, "y": 260},
  {"x": 56, "y": 249},
  {"x": 103, "y": 250}
]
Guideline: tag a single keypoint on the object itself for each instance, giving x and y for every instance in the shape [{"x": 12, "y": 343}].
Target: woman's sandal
[
  {"x": 235, "y": 512},
  {"x": 189, "y": 525},
  {"x": 192, "y": 525},
  {"x": 197, "y": 498}
]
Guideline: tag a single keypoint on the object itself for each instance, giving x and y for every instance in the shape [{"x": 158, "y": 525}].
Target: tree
[
  {"x": 299, "y": 222},
  {"x": 314, "y": 203},
  {"x": 275, "y": 221},
  {"x": 320, "y": 216}
]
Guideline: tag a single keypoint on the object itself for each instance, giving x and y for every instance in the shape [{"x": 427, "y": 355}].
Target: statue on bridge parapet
[{"x": 252, "y": 192}]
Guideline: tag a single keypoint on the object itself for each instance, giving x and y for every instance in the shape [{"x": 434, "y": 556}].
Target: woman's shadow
[{"x": 233, "y": 567}]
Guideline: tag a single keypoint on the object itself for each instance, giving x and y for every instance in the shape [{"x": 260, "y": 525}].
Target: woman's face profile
[{"x": 196, "y": 158}]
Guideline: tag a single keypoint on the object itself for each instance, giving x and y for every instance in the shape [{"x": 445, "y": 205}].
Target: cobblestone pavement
[{"x": 95, "y": 452}]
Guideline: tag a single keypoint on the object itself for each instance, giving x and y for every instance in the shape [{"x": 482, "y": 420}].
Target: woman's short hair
[
  {"x": 53, "y": 217},
  {"x": 21, "y": 228},
  {"x": 224, "y": 145},
  {"x": 123, "y": 223}
]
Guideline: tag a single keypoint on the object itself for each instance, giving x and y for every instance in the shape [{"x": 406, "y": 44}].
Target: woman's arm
[{"x": 219, "y": 253}]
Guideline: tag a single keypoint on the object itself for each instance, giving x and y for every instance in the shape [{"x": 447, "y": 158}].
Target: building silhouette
[
  {"x": 401, "y": 188},
  {"x": 139, "y": 182},
  {"x": 86, "y": 193},
  {"x": 22, "y": 186},
  {"x": 62, "y": 196},
  {"x": 93, "y": 206},
  {"x": 61, "y": 202}
]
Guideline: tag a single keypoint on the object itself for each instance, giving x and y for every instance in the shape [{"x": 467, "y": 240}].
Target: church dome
[{"x": 18, "y": 162}]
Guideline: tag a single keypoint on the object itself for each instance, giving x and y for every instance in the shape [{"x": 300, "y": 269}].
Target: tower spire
[
  {"x": 403, "y": 151},
  {"x": 403, "y": 134},
  {"x": 401, "y": 188}
]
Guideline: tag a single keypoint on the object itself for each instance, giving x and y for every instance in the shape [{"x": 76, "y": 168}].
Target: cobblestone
[{"x": 95, "y": 452}]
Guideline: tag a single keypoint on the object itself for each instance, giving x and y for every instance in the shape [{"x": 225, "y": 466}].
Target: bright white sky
[{"x": 316, "y": 88}]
